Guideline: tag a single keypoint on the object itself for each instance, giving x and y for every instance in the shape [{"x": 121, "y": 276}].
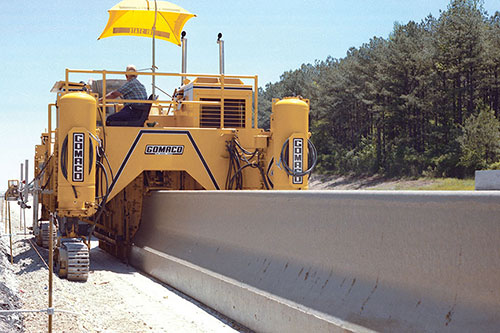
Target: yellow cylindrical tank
[
  {"x": 76, "y": 109},
  {"x": 289, "y": 121},
  {"x": 76, "y": 173}
]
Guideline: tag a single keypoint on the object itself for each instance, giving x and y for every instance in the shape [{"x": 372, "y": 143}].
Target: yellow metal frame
[{"x": 221, "y": 77}]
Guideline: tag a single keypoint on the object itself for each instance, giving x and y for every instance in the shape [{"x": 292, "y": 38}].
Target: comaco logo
[
  {"x": 298, "y": 159},
  {"x": 164, "y": 150},
  {"x": 78, "y": 160}
]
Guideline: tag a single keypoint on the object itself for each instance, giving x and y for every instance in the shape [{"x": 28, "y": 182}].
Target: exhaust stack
[
  {"x": 184, "y": 56},
  {"x": 221, "y": 53}
]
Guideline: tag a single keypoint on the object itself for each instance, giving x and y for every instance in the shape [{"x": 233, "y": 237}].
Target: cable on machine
[
  {"x": 240, "y": 159},
  {"x": 312, "y": 159}
]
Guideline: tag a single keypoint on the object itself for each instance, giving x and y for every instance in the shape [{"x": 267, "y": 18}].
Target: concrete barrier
[
  {"x": 486, "y": 180},
  {"x": 330, "y": 261}
]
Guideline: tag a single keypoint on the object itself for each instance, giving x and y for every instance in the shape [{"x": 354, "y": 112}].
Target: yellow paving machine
[
  {"x": 92, "y": 177},
  {"x": 92, "y": 174}
]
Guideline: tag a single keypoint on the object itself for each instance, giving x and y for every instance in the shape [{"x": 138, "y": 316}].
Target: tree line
[{"x": 424, "y": 101}]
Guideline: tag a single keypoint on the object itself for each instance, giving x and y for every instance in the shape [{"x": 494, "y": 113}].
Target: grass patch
[{"x": 440, "y": 184}]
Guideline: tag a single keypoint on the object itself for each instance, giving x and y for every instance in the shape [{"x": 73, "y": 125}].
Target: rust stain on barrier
[
  {"x": 448, "y": 317},
  {"x": 352, "y": 285},
  {"x": 450, "y": 313},
  {"x": 349, "y": 291},
  {"x": 326, "y": 282},
  {"x": 301, "y": 271},
  {"x": 418, "y": 303},
  {"x": 286, "y": 266},
  {"x": 460, "y": 257},
  {"x": 369, "y": 296},
  {"x": 306, "y": 276},
  {"x": 268, "y": 264}
]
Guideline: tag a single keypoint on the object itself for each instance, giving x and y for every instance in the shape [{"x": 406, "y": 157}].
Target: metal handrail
[
  {"x": 50, "y": 126},
  {"x": 147, "y": 101},
  {"x": 221, "y": 77}
]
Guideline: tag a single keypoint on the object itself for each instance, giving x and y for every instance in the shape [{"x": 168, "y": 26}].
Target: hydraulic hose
[
  {"x": 312, "y": 159},
  {"x": 237, "y": 154}
]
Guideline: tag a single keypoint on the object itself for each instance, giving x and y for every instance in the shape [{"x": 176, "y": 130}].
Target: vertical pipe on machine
[
  {"x": 221, "y": 70},
  {"x": 221, "y": 53},
  {"x": 35, "y": 206},
  {"x": 184, "y": 56}
]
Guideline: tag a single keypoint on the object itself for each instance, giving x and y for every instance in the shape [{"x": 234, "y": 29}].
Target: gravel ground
[
  {"x": 116, "y": 298},
  {"x": 9, "y": 295}
]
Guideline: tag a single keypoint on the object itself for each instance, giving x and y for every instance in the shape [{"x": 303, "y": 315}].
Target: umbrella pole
[{"x": 154, "y": 65}]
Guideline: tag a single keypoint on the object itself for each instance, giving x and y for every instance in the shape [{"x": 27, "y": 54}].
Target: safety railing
[
  {"x": 49, "y": 128},
  {"x": 221, "y": 77}
]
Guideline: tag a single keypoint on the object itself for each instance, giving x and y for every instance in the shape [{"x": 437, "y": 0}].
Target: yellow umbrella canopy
[{"x": 142, "y": 17}]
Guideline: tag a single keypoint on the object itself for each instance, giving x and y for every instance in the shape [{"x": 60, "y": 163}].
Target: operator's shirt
[{"x": 133, "y": 89}]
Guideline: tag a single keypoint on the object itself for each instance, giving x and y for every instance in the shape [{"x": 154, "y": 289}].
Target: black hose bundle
[
  {"x": 240, "y": 159},
  {"x": 101, "y": 195},
  {"x": 312, "y": 159}
]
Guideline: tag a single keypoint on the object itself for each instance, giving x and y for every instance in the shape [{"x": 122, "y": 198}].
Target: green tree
[
  {"x": 480, "y": 141},
  {"x": 397, "y": 105},
  {"x": 459, "y": 45}
]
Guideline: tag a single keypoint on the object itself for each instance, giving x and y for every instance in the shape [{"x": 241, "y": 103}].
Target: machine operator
[{"x": 132, "y": 89}]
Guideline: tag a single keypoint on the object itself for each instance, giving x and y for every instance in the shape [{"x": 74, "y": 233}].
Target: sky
[{"x": 40, "y": 39}]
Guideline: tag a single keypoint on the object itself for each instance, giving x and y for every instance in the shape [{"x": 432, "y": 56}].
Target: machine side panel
[
  {"x": 291, "y": 261},
  {"x": 199, "y": 152}
]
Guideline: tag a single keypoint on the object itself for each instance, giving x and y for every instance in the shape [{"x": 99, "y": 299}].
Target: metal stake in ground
[
  {"x": 21, "y": 206},
  {"x": 24, "y": 220},
  {"x": 5, "y": 215},
  {"x": 2, "y": 210},
  {"x": 26, "y": 193},
  {"x": 51, "y": 268},
  {"x": 10, "y": 234}
]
